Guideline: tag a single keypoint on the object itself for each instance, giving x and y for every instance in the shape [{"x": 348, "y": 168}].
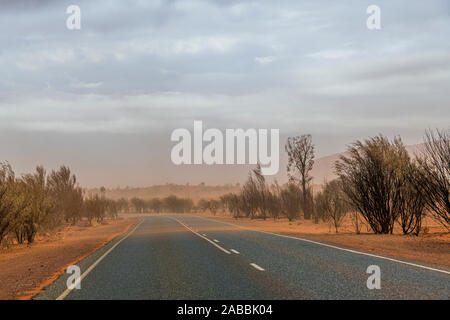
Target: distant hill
[
  {"x": 195, "y": 192},
  {"x": 323, "y": 169}
]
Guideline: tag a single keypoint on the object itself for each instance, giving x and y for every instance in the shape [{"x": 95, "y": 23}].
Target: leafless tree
[{"x": 300, "y": 152}]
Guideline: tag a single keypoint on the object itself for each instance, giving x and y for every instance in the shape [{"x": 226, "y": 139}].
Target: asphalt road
[{"x": 186, "y": 257}]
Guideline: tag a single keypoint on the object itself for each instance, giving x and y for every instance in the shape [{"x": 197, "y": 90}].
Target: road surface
[{"x": 188, "y": 257}]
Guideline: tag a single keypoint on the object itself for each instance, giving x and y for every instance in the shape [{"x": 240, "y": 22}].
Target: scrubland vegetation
[
  {"x": 41, "y": 202},
  {"x": 378, "y": 181}
]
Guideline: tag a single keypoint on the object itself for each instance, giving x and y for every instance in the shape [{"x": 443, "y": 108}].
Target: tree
[
  {"x": 300, "y": 152},
  {"x": 68, "y": 196},
  {"x": 187, "y": 205},
  {"x": 173, "y": 204},
  {"x": 432, "y": 180},
  {"x": 123, "y": 205},
  {"x": 261, "y": 192},
  {"x": 94, "y": 208},
  {"x": 36, "y": 205},
  {"x": 213, "y": 206},
  {"x": 372, "y": 177},
  {"x": 235, "y": 205},
  {"x": 411, "y": 202},
  {"x": 138, "y": 204},
  {"x": 250, "y": 198},
  {"x": 7, "y": 208},
  {"x": 291, "y": 201},
  {"x": 155, "y": 205},
  {"x": 112, "y": 208},
  {"x": 332, "y": 204},
  {"x": 203, "y": 205},
  {"x": 274, "y": 204}
]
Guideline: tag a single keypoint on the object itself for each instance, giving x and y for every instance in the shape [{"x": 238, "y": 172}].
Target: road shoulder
[
  {"x": 431, "y": 248},
  {"x": 27, "y": 270}
]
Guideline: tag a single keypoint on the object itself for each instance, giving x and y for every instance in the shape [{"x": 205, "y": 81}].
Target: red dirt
[{"x": 27, "y": 269}]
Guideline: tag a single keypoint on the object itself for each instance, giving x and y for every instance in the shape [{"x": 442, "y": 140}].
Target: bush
[
  {"x": 432, "y": 179},
  {"x": 331, "y": 203},
  {"x": 372, "y": 177}
]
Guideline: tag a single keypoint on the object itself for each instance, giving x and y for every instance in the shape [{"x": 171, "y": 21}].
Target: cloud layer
[{"x": 144, "y": 68}]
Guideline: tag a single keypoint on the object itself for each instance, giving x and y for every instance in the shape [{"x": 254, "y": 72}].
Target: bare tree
[
  {"x": 433, "y": 178},
  {"x": 300, "y": 152}
]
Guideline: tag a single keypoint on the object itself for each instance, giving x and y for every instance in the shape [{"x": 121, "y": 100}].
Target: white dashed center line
[
  {"x": 234, "y": 251},
  {"x": 198, "y": 234},
  {"x": 254, "y": 265}
]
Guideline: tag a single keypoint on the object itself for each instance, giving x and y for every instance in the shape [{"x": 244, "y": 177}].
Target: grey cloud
[{"x": 141, "y": 68}]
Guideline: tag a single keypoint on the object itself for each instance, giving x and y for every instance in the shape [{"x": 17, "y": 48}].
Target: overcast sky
[{"x": 104, "y": 99}]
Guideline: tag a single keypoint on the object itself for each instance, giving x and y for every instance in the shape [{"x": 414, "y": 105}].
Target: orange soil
[
  {"x": 432, "y": 247},
  {"x": 26, "y": 269}
]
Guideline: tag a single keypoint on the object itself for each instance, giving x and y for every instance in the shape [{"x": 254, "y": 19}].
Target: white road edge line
[
  {"x": 234, "y": 251},
  {"x": 254, "y": 265},
  {"x": 198, "y": 234},
  {"x": 67, "y": 291},
  {"x": 334, "y": 247}
]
